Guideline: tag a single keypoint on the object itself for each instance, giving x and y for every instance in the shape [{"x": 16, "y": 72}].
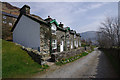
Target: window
[
  {"x": 68, "y": 43},
  {"x": 53, "y": 32},
  {"x": 79, "y": 43},
  {"x": 75, "y": 43},
  {"x": 4, "y": 17},
  {"x": 4, "y": 22},
  {"x": 74, "y": 36},
  {"x": 54, "y": 44},
  {"x": 10, "y": 24},
  {"x": 53, "y": 29}
]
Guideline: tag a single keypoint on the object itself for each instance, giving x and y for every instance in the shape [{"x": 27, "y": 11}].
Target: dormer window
[
  {"x": 74, "y": 36},
  {"x": 53, "y": 29}
]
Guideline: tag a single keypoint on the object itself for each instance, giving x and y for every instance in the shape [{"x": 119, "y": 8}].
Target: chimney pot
[{"x": 48, "y": 16}]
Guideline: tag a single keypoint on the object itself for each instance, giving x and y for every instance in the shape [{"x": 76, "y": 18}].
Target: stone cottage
[
  {"x": 31, "y": 31},
  {"x": 53, "y": 24},
  {"x": 57, "y": 36},
  {"x": 8, "y": 20},
  {"x": 75, "y": 40},
  {"x": 68, "y": 38},
  {"x": 61, "y": 39},
  {"x": 72, "y": 39}
]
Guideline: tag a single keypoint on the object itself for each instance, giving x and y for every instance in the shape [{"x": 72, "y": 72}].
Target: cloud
[
  {"x": 89, "y": 27},
  {"x": 72, "y": 14},
  {"x": 60, "y": 0},
  {"x": 97, "y": 5}
]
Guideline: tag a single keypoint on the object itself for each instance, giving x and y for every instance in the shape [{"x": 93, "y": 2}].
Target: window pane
[
  {"x": 4, "y": 17},
  {"x": 10, "y": 24},
  {"x": 4, "y": 22},
  {"x": 53, "y": 32}
]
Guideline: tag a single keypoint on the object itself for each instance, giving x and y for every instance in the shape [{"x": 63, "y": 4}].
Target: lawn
[{"x": 16, "y": 62}]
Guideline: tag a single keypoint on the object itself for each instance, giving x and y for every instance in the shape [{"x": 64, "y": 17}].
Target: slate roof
[
  {"x": 31, "y": 16},
  {"x": 62, "y": 29},
  {"x": 50, "y": 21},
  {"x": 72, "y": 32},
  {"x": 36, "y": 18},
  {"x": 78, "y": 34},
  {"x": 8, "y": 14}
]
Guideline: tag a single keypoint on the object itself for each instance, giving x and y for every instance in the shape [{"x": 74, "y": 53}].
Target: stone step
[
  {"x": 45, "y": 55},
  {"x": 45, "y": 58}
]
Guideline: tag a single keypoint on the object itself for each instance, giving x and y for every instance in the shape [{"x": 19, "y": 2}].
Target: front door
[{"x": 61, "y": 46}]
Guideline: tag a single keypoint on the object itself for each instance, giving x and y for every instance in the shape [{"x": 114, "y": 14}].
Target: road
[{"x": 94, "y": 65}]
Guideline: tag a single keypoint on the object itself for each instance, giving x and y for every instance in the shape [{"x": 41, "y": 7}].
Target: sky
[{"x": 79, "y": 16}]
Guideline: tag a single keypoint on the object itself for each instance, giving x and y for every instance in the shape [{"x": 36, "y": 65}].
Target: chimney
[
  {"x": 25, "y": 10},
  {"x": 48, "y": 16},
  {"x": 61, "y": 25}
]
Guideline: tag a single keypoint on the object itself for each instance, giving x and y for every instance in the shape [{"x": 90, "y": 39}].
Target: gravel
[{"x": 94, "y": 65}]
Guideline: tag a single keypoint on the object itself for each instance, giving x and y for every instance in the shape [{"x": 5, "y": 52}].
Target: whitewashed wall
[{"x": 27, "y": 33}]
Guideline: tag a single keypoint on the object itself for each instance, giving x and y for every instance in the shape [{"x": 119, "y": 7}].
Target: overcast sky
[{"x": 79, "y": 16}]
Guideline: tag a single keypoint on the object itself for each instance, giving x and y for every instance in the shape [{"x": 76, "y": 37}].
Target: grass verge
[{"x": 16, "y": 62}]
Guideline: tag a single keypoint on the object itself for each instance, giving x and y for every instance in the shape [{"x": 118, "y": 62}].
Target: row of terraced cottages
[{"x": 44, "y": 35}]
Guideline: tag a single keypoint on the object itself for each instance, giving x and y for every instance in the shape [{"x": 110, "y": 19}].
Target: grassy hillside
[{"x": 16, "y": 62}]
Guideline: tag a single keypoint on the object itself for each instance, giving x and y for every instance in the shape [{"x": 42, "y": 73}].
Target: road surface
[{"x": 94, "y": 65}]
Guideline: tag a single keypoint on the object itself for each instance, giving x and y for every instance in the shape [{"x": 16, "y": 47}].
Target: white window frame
[
  {"x": 53, "y": 28},
  {"x": 54, "y": 43}
]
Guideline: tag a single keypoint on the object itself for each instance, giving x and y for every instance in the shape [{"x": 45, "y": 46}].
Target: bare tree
[
  {"x": 109, "y": 33},
  {"x": 117, "y": 31}
]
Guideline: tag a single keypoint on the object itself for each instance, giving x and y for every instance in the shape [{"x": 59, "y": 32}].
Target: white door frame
[
  {"x": 71, "y": 45},
  {"x": 61, "y": 46}
]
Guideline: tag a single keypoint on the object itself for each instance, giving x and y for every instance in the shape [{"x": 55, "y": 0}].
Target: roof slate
[
  {"x": 10, "y": 15},
  {"x": 31, "y": 16}
]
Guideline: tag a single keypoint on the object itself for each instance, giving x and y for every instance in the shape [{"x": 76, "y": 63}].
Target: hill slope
[
  {"x": 92, "y": 35},
  {"x": 16, "y": 62},
  {"x": 8, "y": 8}
]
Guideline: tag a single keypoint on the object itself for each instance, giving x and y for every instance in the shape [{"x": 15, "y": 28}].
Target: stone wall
[
  {"x": 7, "y": 24},
  {"x": 67, "y": 54},
  {"x": 45, "y": 38},
  {"x": 60, "y": 37}
]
